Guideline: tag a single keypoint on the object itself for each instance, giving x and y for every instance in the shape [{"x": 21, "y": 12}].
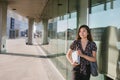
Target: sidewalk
[{"x": 26, "y": 62}]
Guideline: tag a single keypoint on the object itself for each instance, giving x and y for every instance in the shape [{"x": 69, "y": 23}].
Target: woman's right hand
[{"x": 74, "y": 64}]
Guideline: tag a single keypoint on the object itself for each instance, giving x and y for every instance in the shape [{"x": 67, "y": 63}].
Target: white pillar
[
  {"x": 30, "y": 31},
  {"x": 3, "y": 24},
  {"x": 45, "y": 31}
]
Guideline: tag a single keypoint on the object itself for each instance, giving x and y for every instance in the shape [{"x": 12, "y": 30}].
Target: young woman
[{"x": 85, "y": 47}]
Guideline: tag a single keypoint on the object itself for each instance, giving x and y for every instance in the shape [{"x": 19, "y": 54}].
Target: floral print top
[{"x": 91, "y": 46}]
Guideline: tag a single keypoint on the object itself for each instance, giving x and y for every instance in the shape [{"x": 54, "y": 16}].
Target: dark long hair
[{"x": 89, "y": 36}]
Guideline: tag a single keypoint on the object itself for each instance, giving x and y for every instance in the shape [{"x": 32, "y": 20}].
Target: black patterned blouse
[{"x": 91, "y": 46}]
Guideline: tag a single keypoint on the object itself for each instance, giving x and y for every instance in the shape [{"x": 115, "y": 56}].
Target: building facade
[{"x": 16, "y": 24}]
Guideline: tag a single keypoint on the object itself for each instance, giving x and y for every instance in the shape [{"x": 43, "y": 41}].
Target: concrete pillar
[
  {"x": 113, "y": 53},
  {"x": 30, "y": 31},
  {"x": 3, "y": 24},
  {"x": 82, "y": 12},
  {"x": 45, "y": 31}
]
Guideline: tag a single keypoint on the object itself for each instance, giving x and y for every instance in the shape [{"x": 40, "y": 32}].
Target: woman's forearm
[
  {"x": 92, "y": 59},
  {"x": 69, "y": 58}
]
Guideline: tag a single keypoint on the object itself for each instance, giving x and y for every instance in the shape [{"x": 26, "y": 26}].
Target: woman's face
[{"x": 83, "y": 33}]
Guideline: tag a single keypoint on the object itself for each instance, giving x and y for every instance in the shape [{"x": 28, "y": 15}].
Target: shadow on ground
[{"x": 37, "y": 56}]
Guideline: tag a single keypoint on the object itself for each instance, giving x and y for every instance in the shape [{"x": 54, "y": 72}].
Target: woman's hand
[
  {"x": 74, "y": 64},
  {"x": 80, "y": 53},
  {"x": 92, "y": 59}
]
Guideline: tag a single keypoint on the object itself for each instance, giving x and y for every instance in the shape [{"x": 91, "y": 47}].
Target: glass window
[
  {"x": 105, "y": 27},
  {"x": 61, "y": 32}
]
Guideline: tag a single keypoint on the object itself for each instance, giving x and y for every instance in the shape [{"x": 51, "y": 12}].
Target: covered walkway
[{"x": 26, "y": 62}]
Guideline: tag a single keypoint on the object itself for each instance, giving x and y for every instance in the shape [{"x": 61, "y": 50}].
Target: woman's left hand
[{"x": 80, "y": 53}]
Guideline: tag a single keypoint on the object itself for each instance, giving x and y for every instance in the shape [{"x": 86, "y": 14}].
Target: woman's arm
[
  {"x": 92, "y": 59},
  {"x": 68, "y": 56}
]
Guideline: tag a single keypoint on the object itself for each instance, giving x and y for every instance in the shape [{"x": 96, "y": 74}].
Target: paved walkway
[{"x": 26, "y": 62}]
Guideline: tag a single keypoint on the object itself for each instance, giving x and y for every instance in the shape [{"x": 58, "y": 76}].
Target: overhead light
[
  {"x": 14, "y": 9},
  {"x": 59, "y": 4},
  {"x": 27, "y": 16}
]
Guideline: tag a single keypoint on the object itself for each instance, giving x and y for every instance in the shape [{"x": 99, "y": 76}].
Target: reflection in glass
[{"x": 105, "y": 27}]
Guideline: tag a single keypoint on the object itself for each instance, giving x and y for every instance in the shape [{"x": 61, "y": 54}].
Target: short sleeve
[
  {"x": 94, "y": 47},
  {"x": 73, "y": 45}
]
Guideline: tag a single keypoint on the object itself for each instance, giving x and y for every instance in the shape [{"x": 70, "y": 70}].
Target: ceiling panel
[{"x": 29, "y": 8}]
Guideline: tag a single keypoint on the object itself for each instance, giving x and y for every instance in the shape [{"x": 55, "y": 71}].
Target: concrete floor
[{"x": 26, "y": 62}]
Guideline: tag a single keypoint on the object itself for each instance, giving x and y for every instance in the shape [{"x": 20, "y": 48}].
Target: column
[
  {"x": 82, "y": 12},
  {"x": 3, "y": 24},
  {"x": 30, "y": 31},
  {"x": 113, "y": 52},
  {"x": 45, "y": 31}
]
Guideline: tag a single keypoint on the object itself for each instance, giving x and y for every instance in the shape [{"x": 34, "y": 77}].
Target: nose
[{"x": 81, "y": 33}]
